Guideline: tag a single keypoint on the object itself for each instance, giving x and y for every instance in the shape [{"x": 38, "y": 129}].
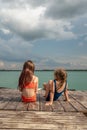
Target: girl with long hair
[{"x": 28, "y": 82}]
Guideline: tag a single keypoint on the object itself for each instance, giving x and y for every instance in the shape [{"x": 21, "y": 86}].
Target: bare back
[{"x": 31, "y": 89}]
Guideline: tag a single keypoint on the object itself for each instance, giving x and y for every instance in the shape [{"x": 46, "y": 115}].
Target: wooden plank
[
  {"x": 10, "y": 100},
  {"x": 78, "y": 106},
  {"x": 42, "y": 120},
  {"x": 3, "y": 104},
  {"x": 57, "y": 107},
  {"x": 78, "y": 101},
  {"x": 67, "y": 106},
  {"x": 32, "y": 106},
  {"x": 12, "y": 104},
  {"x": 42, "y": 105},
  {"x": 4, "y": 100},
  {"x": 22, "y": 106},
  {"x": 80, "y": 97}
]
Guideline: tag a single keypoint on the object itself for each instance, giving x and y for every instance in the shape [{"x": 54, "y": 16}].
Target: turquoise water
[{"x": 76, "y": 79}]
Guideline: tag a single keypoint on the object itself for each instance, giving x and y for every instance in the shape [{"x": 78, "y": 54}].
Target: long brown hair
[
  {"x": 61, "y": 76},
  {"x": 26, "y": 74}
]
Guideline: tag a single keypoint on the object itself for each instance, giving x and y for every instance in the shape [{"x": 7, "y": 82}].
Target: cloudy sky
[{"x": 52, "y": 33}]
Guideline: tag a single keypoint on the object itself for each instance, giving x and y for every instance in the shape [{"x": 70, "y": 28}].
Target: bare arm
[
  {"x": 52, "y": 92},
  {"x": 37, "y": 81},
  {"x": 66, "y": 94}
]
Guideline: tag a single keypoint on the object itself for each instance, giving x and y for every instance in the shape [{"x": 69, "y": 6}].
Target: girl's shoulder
[
  {"x": 35, "y": 78},
  {"x": 50, "y": 82}
]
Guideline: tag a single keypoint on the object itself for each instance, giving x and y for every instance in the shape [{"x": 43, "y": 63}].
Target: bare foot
[
  {"x": 67, "y": 100},
  {"x": 48, "y": 103}
]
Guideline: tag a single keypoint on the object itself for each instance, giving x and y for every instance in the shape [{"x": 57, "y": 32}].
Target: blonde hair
[{"x": 60, "y": 75}]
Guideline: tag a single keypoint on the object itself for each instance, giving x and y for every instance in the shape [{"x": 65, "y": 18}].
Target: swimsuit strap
[
  {"x": 65, "y": 85},
  {"x": 55, "y": 85}
]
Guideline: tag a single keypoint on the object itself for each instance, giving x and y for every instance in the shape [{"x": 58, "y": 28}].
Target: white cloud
[
  {"x": 84, "y": 57},
  {"x": 85, "y": 25},
  {"x": 81, "y": 44},
  {"x": 30, "y": 24},
  {"x": 15, "y": 49},
  {"x": 13, "y": 66},
  {"x": 1, "y": 64},
  {"x": 5, "y": 31},
  {"x": 22, "y": 22},
  {"x": 85, "y": 38},
  {"x": 77, "y": 62},
  {"x": 66, "y": 9}
]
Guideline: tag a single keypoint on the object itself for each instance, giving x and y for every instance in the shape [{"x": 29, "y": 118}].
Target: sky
[{"x": 51, "y": 33}]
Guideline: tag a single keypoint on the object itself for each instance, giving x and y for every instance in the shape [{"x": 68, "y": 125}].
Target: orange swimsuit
[{"x": 29, "y": 99}]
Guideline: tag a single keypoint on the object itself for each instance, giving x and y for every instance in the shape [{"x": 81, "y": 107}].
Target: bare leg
[
  {"x": 51, "y": 90},
  {"x": 46, "y": 88},
  {"x": 51, "y": 99},
  {"x": 44, "y": 85}
]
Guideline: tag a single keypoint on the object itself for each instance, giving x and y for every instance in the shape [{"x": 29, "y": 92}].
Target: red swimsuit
[{"x": 29, "y": 99}]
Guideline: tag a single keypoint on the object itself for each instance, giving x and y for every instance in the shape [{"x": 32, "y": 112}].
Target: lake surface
[{"x": 76, "y": 79}]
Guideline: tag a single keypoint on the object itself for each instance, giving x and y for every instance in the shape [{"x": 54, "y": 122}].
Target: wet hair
[
  {"x": 26, "y": 74},
  {"x": 60, "y": 75}
]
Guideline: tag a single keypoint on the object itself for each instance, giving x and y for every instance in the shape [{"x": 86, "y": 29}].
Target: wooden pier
[{"x": 16, "y": 115}]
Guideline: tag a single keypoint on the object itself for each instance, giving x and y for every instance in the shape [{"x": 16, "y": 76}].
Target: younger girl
[
  {"x": 54, "y": 88},
  {"x": 28, "y": 82}
]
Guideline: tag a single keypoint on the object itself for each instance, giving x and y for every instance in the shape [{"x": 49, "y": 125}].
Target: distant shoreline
[{"x": 50, "y": 70}]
